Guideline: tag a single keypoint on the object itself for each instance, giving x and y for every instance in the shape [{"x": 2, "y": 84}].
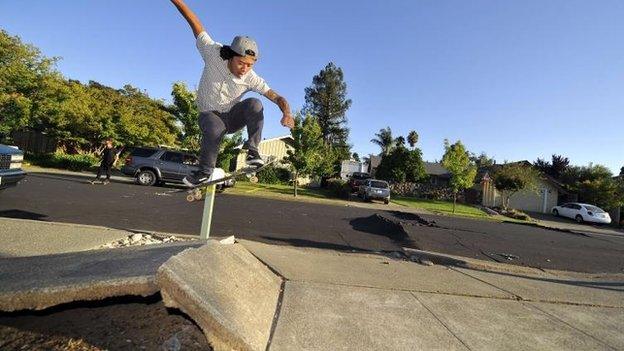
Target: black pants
[
  {"x": 104, "y": 168},
  {"x": 214, "y": 125}
]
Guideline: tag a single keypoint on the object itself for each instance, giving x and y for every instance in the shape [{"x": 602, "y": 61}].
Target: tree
[
  {"x": 400, "y": 141},
  {"x": 556, "y": 168},
  {"x": 185, "y": 110},
  {"x": 514, "y": 177},
  {"x": 308, "y": 154},
  {"x": 412, "y": 138},
  {"x": 356, "y": 157},
  {"x": 594, "y": 184},
  {"x": 326, "y": 99},
  {"x": 402, "y": 165},
  {"x": 482, "y": 160},
  {"x": 463, "y": 171},
  {"x": 622, "y": 171},
  {"x": 384, "y": 140}
]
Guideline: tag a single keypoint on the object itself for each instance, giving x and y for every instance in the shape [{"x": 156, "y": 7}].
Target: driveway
[{"x": 563, "y": 223}]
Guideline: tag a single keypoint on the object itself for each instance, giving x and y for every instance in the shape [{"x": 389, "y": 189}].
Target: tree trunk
[
  {"x": 296, "y": 182},
  {"x": 454, "y": 201}
]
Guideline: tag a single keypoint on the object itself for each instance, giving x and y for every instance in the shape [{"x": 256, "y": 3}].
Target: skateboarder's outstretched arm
[{"x": 190, "y": 17}]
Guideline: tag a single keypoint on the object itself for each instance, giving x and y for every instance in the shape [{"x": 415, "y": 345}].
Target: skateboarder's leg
[
  {"x": 247, "y": 113},
  {"x": 213, "y": 129}
]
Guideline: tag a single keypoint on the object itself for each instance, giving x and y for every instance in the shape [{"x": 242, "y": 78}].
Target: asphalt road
[{"x": 132, "y": 207}]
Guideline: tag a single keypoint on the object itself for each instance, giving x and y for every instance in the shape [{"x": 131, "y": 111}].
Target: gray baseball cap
[{"x": 245, "y": 46}]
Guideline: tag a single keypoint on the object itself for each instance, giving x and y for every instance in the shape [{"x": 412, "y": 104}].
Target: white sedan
[{"x": 582, "y": 213}]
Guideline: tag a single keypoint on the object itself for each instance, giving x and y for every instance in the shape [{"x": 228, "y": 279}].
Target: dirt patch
[{"x": 115, "y": 324}]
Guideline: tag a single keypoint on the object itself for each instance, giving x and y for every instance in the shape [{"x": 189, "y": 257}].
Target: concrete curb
[
  {"x": 42, "y": 298},
  {"x": 227, "y": 291}
]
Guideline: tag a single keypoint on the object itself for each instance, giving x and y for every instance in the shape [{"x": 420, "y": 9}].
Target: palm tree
[
  {"x": 412, "y": 138},
  {"x": 400, "y": 141},
  {"x": 384, "y": 140}
]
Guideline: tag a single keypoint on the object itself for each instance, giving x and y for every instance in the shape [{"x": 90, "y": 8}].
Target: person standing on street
[
  {"x": 109, "y": 158},
  {"x": 226, "y": 77}
]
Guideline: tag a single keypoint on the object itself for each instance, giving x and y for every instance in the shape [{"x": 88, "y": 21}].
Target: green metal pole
[{"x": 207, "y": 214}]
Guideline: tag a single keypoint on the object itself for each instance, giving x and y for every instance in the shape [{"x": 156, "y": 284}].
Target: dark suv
[
  {"x": 356, "y": 179},
  {"x": 150, "y": 166}
]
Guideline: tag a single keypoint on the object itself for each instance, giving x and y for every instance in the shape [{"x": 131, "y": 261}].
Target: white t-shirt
[{"x": 219, "y": 89}]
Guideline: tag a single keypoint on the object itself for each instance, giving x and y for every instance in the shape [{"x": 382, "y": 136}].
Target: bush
[
  {"x": 515, "y": 214},
  {"x": 78, "y": 162},
  {"x": 338, "y": 188},
  {"x": 274, "y": 175}
]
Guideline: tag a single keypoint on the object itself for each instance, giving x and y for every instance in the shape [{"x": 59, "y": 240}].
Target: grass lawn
[
  {"x": 279, "y": 191},
  {"x": 442, "y": 207}
]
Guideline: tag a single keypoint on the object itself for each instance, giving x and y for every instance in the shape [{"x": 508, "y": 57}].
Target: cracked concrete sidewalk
[
  {"x": 255, "y": 296},
  {"x": 345, "y": 301}
]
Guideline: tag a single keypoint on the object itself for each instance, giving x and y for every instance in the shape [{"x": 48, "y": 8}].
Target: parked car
[
  {"x": 375, "y": 189},
  {"x": 11, "y": 172},
  {"x": 356, "y": 179},
  {"x": 151, "y": 166},
  {"x": 582, "y": 213}
]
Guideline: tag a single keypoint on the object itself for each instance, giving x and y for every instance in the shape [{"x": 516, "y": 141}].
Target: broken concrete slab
[
  {"x": 603, "y": 323},
  {"x": 495, "y": 324},
  {"x": 324, "y": 266},
  {"x": 229, "y": 293},
  {"x": 550, "y": 288},
  {"x": 44, "y": 281},
  {"x": 332, "y": 317}
]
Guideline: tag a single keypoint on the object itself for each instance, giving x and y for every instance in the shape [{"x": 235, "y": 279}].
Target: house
[
  {"x": 348, "y": 167},
  {"x": 273, "y": 147},
  {"x": 540, "y": 199},
  {"x": 438, "y": 175}
]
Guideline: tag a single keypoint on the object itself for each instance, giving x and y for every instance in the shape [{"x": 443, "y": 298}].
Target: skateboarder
[
  {"x": 227, "y": 76},
  {"x": 109, "y": 158}
]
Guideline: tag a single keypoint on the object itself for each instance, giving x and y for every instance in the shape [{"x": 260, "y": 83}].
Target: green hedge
[
  {"x": 274, "y": 175},
  {"x": 79, "y": 162}
]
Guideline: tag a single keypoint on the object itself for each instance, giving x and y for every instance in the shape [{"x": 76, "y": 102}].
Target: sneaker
[
  {"x": 106, "y": 182},
  {"x": 254, "y": 158},
  {"x": 95, "y": 181},
  {"x": 196, "y": 178}
]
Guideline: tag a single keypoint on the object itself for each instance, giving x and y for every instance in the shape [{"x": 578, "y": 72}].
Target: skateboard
[{"x": 197, "y": 193}]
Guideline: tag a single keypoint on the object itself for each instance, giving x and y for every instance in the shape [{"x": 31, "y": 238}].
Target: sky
[{"x": 517, "y": 80}]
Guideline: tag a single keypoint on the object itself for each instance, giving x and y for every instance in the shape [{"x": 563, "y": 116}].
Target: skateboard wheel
[
  {"x": 197, "y": 195},
  {"x": 253, "y": 179},
  {"x": 190, "y": 198}
]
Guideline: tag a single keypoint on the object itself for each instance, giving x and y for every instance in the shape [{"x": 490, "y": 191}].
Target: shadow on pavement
[
  {"x": 19, "y": 214},
  {"x": 313, "y": 244}
]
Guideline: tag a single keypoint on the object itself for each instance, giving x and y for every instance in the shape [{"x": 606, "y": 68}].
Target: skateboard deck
[{"x": 198, "y": 192}]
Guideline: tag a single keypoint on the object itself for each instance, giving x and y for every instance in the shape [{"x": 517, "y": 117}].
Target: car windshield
[
  {"x": 382, "y": 185},
  {"x": 593, "y": 209}
]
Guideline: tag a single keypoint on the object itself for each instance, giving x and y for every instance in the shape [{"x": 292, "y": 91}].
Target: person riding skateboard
[
  {"x": 110, "y": 156},
  {"x": 226, "y": 77}
]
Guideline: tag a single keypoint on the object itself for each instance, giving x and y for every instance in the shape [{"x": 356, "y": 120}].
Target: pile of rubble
[{"x": 143, "y": 239}]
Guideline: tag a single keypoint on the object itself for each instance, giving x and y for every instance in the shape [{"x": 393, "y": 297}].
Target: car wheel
[
  {"x": 579, "y": 218},
  {"x": 556, "y": 213},
  {"x": 386, "y": 202},
  {"x": 146, "y": 177}
]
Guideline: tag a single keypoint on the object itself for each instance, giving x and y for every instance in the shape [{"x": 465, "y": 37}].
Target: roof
[
  {"x": 483, "y": 173},
  {"x": 283, "y": 137},
  {"x": 435, "y": 168}
]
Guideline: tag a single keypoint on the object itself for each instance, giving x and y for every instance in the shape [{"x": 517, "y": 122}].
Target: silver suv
[
  {"x": 375, "y": 189},
  {"x": 150, "y": 166},
  {"x": 11, "y": 172}
]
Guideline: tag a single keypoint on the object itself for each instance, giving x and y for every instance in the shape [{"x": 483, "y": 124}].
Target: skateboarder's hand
[{"x": 288, "y": 121}]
